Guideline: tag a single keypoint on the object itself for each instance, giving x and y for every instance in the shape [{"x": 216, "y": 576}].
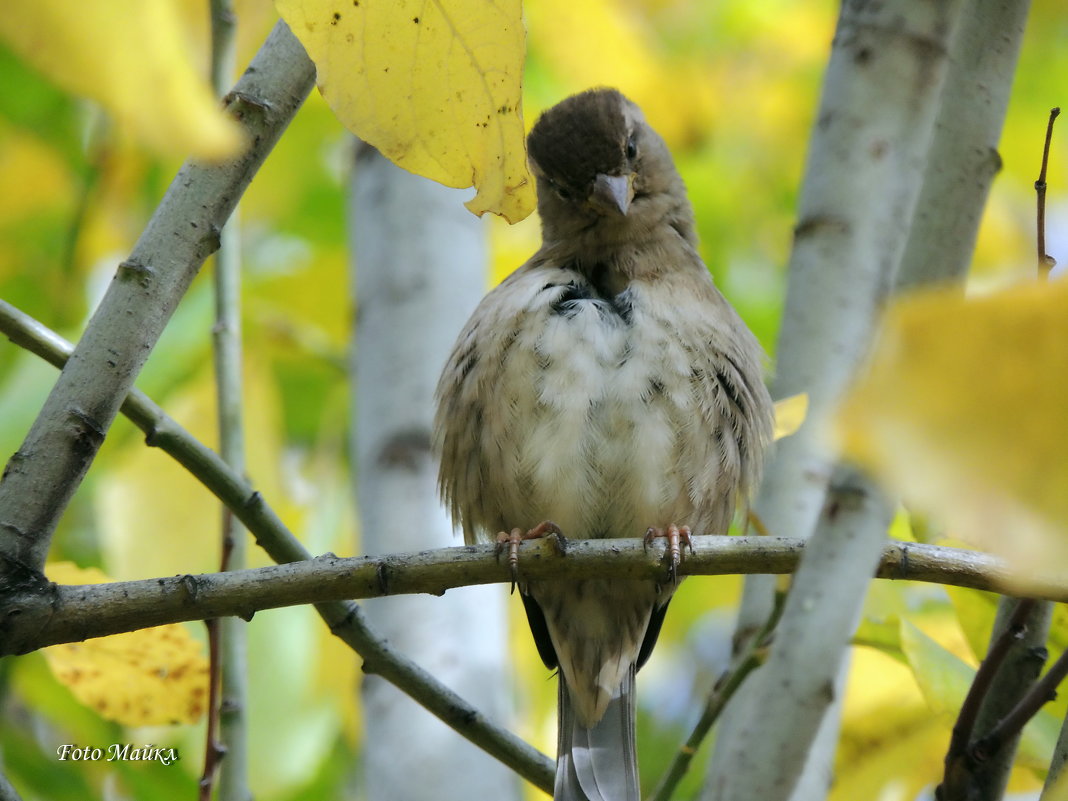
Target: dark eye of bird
[
  {"x": 632, "y": 147},
  {"x": 563, "y": 193}
]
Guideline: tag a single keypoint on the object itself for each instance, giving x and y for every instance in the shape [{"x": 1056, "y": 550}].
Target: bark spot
[{"x": 405, "y": 449}]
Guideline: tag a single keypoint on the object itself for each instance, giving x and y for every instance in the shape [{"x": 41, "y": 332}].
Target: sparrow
[{"x": 607, "y": 386}]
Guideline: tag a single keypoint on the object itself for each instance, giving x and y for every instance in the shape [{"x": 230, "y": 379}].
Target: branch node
[
  {"x": 136, "y": 271},
  {"x": 382, "y": 578},
  {"x": 191, "y": 586},
  {"x": 237, "y": 103},
  {"x": 152, "y": 436},
  {"x": 88, "y": 434},
  {"x": 209, "y": 243}
]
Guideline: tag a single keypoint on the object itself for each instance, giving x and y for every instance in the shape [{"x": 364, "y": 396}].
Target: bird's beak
[{"x": 612, "y": 194}]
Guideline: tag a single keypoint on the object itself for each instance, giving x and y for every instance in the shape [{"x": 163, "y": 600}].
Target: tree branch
[
  {"x": 1040, "y": 693},
  {"x": 1045, "y": 261},
  {"x": 46, "y": 470},
  {"x": 344, "y": 618},
  {"x": 1013, "y": 681},
  {"x": 963, "y": 158},
  {"x": 959, "y": 766},
  {"x": 69, "y": 613}
]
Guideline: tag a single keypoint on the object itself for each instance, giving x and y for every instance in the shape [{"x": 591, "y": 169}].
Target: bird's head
[{"x": 601, "y": 170}]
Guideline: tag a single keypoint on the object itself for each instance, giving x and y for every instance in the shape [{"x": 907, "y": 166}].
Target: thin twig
[
  {"x": 1041, "y": 692},
  {"x": 213, "y": 749},
  {"x": 742, "y": 665},
  {"x": 1045, "y": 261},
  {"x": 216, "y": 746},
  {"x": 230, "y": 703}
]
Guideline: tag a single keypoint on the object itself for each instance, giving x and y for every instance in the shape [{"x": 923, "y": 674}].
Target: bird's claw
[
  {"x": 678, "y": 538},
  {"x": 517, "y": 535}
]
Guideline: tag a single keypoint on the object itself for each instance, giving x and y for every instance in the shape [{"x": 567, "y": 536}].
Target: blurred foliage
[
  {"x": 733, "y": 86},
  {"x": 938, "y": 417},
  {"x": 131, "y": 57}
]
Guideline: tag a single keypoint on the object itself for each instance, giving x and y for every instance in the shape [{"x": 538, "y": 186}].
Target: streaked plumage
[{"x": 605, "y": 385}]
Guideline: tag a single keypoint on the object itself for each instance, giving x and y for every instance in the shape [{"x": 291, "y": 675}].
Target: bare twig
[
  {"x": 1045, "y": 261},
  {"x": 1040, "y": 693},
  {"x": 213, "y": 749},
  {"x": 742, "y": 665},
  {"x": 229, "y": 659}
]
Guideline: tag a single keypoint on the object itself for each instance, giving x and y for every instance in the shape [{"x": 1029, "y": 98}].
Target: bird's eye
[
  {"x": 632, "y": 147},
  {"x": 560, "y": 191}
]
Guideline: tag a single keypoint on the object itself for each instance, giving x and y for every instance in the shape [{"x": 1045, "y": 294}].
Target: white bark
[
  {"x": 863, "y": 175},
  {"x": 420, "y": 266},
  {"x": 790, "y": 704},
  {"x": 964, "y": 159}
]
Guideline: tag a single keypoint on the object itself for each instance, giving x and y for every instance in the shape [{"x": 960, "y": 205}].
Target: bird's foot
[
  {"x": 678, "y": 537},
  {"x": 517, "y": 535}
]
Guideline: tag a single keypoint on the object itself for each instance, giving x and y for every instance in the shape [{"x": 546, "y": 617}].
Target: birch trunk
[
  {"x": 419, "y": 270},
  {"x": 864, "y": 172}
]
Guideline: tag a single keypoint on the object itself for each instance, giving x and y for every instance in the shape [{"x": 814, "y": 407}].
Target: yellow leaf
[
  {"x": 790, "y": 414},
  {"x": 129, "y": 56},
  {"x": 963, "y": 411},
  {"x": 141, "y": 678},
  {"x": 434, "y": 86}
]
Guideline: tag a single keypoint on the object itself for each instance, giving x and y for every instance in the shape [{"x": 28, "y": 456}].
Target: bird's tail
[{"x": 599, "y": 763}]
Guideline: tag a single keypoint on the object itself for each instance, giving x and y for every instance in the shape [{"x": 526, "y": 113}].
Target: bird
[{"x": 605, "y": 388}]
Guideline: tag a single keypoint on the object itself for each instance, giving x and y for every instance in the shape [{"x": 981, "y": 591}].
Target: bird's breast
[{"x": 600, "y": 394}]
